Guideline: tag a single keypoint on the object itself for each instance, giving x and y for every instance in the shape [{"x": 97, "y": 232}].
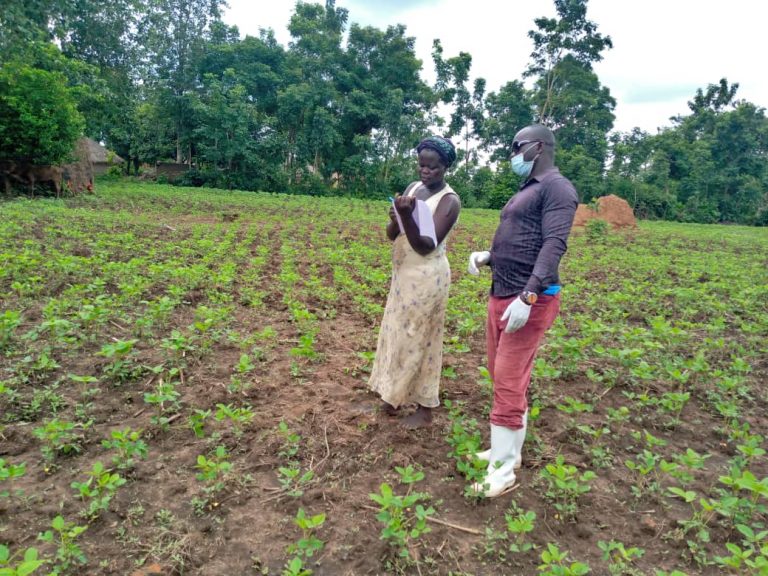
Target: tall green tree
[
  {"x": 507, "y": 111},
  {"x": 173, "y": 35},
  {"x": 316, "y": 57},
  {"x": 570, "y": 35},
  {"x": 383, "y": 115}
]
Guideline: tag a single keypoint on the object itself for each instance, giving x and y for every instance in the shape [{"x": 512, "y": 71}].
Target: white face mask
[{"x": 520, "y": 165}]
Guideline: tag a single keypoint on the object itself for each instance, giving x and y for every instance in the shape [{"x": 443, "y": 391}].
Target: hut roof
[{"x": 100, "y": 154}]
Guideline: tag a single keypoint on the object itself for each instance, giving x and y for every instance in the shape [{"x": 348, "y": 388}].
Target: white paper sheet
[{"x": 422, "y": 216}]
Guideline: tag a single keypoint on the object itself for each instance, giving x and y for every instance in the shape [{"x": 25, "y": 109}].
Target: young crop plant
[
  {"x": 752, "y": 558},
  {"x": 59, "y": 437},
  {"x": 306, "y": 346},
  {"x": 177, "y": 346},
  {"x": 744, "y": 501},
  {"x": 244, "y": 367},
  {"x": 291, "y": 441},
  {"x": 291, "y": 477},
  {"x": 557, "y": 563},
  {"x": 237, "y": 416},
  {"x": 165, "y": 399},
  {"x": 27, "y": 565},
  {"x": 597, "y": 230},
  {"x": 197, "y": 421},
  {"x": 671, "y": 405},
  {"x": 35, "y": 369},
  {"x": 520, "y": 523},
  {"x": 647, "y": 466},
  {"x": 749, "y": 450},
  {"x": 128, "y": 446},
  {"x": 464, "y": 439},
  {"x": 84, "y": 408},
  {"x": 620, "y": 559},
  {"x": 293, "y": 480},
  {"x": 10, "y": 471},
  {"x": 209, "y": 326},
  {"x": 306, "y": 546},
  {"x": 69, "y": 556},
  {"x": 9, "y": 321},
  {"x": 98, "y": 490},
  {"x": 600, "y": 454},
  {"x": 213, "y": 473},
  {"x": 695, "y": 530},
  {"x": 683, "y": 465},
  {"x": 122, "y": 367},
  {"x": 565, "y": 485},
  {"x": 404, "y": 517}
]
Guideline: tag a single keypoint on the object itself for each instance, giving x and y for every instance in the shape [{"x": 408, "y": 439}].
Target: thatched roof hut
[{"x": 101, "y": 158}]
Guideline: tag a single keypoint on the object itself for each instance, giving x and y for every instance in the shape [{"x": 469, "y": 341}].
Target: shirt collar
[{"x": 546, "y": 175}]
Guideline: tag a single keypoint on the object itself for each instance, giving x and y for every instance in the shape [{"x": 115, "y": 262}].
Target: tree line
[{"x": 341, "y": 107}]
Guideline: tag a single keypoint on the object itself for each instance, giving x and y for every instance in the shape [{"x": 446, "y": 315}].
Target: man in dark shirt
[{"x": 525, "y": 293}]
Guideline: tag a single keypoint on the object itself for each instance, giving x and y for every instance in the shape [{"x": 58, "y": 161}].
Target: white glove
[
  {"x": 516, "y": 315},
  {"x": 478, "y": 259}
]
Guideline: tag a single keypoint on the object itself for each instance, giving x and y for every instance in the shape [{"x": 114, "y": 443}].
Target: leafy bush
[
  {"x": 596, "y": 229},
  {"x": 38, "y": 117}
]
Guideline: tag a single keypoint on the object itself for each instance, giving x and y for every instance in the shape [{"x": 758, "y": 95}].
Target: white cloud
[{"x": 663, "y": 49}]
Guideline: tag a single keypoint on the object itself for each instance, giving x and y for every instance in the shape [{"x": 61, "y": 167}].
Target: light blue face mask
[{"x": 520, "y": 166}]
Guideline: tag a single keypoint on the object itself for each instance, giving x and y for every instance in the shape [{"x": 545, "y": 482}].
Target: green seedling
[
  {"x": 620, "y": 558},
  {"x": 404, "y": 517},
  {"x": 128, "y": 445},
  {"x": 293, "y": 480},
  {"x": 291, "y": 441},
  {"x": 213, "y": 472},
  {"x": 9, "y": 321},
  {"x": 98, "y": 490},
  {"x": 29, "y": 563},
  {"x": 464, "y": 439},
  {"x": 565, "y": 485},
  {"x": 308, "y": 545},
  {"x": 64, "y": 536},
  {"x": 59, "y": 437},
  {"x": 197, "y": 422},
  {"x": 520, "y": 524},
  {"x": 556, "y": 563},
  {"x": 237, "y": 416},
  {"x": 122, "y": 367}
]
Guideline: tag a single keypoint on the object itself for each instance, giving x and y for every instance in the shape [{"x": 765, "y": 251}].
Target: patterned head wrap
[{"x": 444, "y": 148}]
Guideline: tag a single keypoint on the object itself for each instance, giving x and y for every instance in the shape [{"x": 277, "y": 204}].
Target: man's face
[{"x": 526, "y": 144}]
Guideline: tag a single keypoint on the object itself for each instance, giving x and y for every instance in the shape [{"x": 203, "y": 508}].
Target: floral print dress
[{"x": 409, "y": 353}]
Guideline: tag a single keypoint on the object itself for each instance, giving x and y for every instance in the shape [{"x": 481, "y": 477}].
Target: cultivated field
[{"x": 183, "y": 391}]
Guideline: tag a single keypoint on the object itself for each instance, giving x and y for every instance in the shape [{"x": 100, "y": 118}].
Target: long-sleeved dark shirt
[{"x": 533, "y": 235}]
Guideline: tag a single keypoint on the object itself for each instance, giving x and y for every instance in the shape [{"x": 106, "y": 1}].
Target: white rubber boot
[
  {"x": 505, "y": 447},
  {"x": 486, "y": 454}
]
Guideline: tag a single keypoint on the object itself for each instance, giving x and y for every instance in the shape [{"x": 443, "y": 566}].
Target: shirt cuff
[{"x": 533, "y": 285}]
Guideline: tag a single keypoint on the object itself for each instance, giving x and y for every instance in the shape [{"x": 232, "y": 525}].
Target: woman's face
[{"x": 431, "y": 168}]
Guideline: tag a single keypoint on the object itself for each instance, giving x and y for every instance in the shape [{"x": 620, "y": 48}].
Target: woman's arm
[
  {"x": 446, "y": 214},
  {"x": 445, "y": 217},
  {"x": 393, "y": 229}
]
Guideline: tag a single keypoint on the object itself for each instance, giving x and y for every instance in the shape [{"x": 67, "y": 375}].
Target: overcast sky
[{"x": 663, "y": 49}]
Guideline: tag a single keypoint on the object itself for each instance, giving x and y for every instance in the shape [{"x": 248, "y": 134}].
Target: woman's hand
[
  {"x": 392, "y": 215},
  {"x": 405, "y": 205}
]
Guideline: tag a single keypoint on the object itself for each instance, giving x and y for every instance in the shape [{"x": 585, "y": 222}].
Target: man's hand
[
  {"x": 516, "y": 315},
  {"x": 477, "y": 259}
]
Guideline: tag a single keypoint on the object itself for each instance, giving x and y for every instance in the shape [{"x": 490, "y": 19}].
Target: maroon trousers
[{"x": 511, "y": 356}]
